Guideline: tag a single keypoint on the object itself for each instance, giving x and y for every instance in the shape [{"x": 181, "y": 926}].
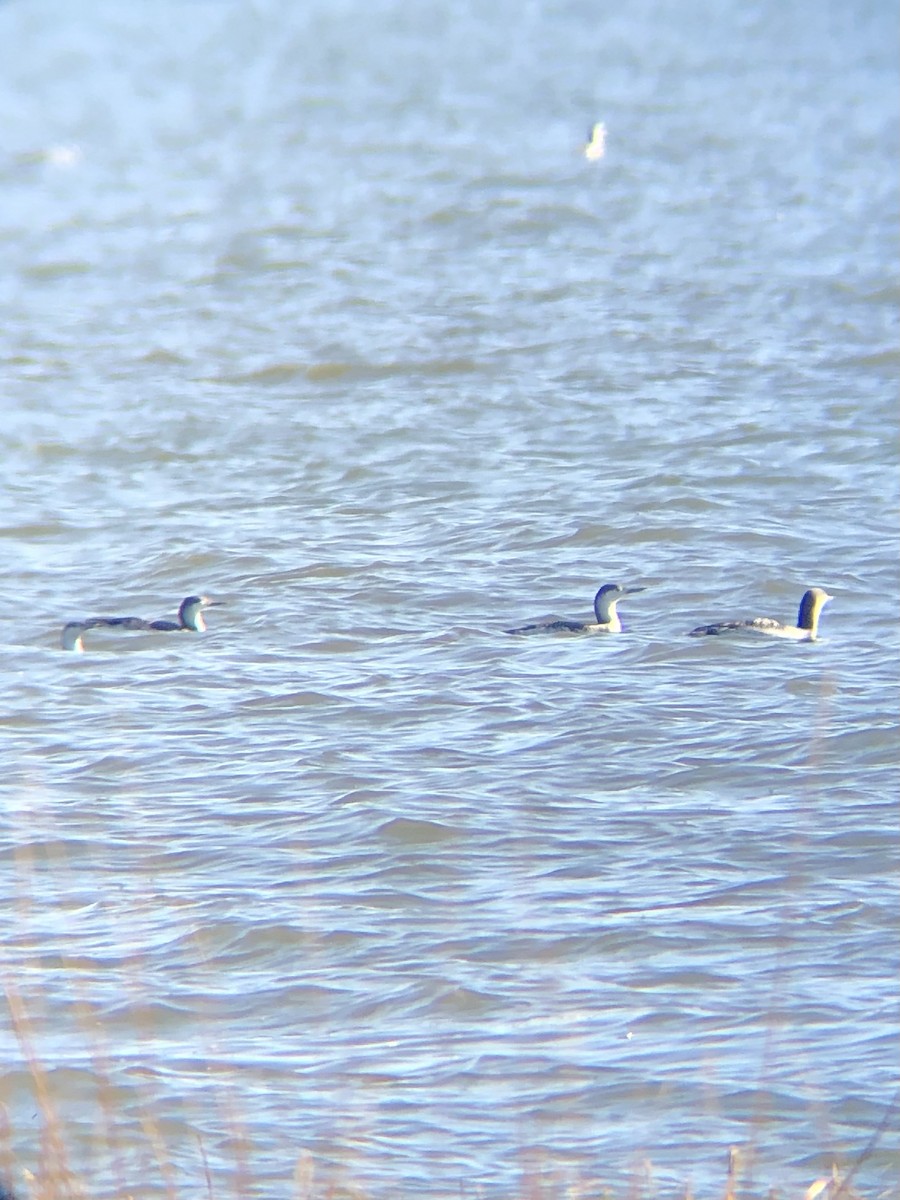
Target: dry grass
[
  {"x": 53, "y": 1177},
  {"x": 140, "y": 1155}
]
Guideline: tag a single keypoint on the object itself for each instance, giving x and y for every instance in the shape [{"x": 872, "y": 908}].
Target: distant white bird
[{"x": 596, "y": 143}]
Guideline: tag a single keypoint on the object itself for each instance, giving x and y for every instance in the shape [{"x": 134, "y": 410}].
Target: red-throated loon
[
  {"x": 806, "y": 629},
  {"x": 190, "y": 618},
  {"x": 607, "y": 619}
]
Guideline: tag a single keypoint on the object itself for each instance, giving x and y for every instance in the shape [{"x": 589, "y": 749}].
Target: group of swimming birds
[
  {"x": 607, "y": 618},
  {"x": 190, "y": 619}
]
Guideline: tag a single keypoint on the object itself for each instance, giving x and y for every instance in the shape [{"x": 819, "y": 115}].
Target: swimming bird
[
  {"x": 596, "y": 143},
  {"x": 806, "y": 629},
  {"x": 190, "y": 618},
  {"x": 607, "y": 619}
]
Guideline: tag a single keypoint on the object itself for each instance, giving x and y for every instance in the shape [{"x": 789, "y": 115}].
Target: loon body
[
  {"x": 806, "y": 629},
  {"x": 606, "y": 617},
  {"x": 190, "y": 618}
]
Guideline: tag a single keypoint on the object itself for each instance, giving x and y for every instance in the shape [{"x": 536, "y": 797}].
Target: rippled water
[{"x": 319, "y": 309}]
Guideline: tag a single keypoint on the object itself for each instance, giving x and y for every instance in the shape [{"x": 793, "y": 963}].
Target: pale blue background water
[{"x": 320, "y": 309}]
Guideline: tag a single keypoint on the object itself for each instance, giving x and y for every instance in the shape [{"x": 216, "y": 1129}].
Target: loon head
[
  {"x": 811, "y": 605},
  {"x": 190, "y": 612},
  {"x": 608, "y": 597}
]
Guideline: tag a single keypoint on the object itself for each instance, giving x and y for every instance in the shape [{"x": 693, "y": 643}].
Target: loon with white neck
[
  {"x": 190, "y": 619},
  {"x": 806, "y": 629},
  {"x": 605, "y": 614}
]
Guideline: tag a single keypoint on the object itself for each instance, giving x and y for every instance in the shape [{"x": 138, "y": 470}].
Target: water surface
[{"x": 319, "y": 309}]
